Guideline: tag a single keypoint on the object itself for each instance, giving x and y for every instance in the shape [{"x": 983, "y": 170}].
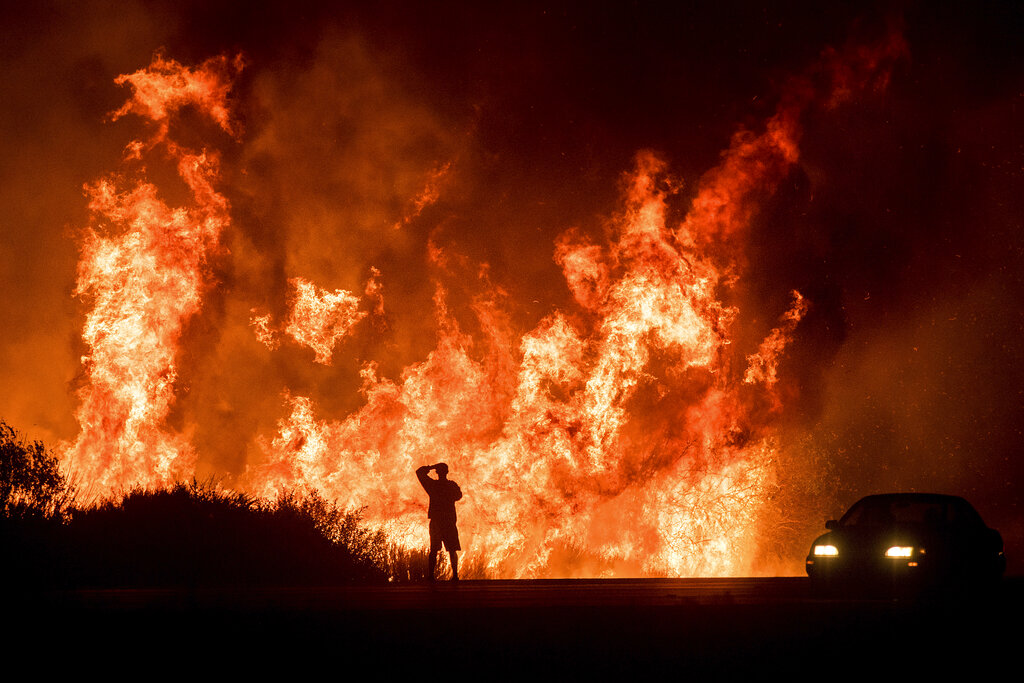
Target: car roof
[
  {"x": 954, "y": 505},
  {"x": 916, "y": 497},
  {"x": 913, "y": 498}
]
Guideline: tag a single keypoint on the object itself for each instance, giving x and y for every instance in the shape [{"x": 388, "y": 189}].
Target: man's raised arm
[{"x": 421, "y": 474}]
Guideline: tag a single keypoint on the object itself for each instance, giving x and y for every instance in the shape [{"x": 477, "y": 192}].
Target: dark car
[{"x": 907, "y": 539}]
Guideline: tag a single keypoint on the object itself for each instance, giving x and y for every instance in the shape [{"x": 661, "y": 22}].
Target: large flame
[
  {"x": 143, "y": 268},
  {"x": 629, "y": 435}
]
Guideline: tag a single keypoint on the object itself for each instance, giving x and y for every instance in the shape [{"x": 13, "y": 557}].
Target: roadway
[{"x": 709, "y": 628}]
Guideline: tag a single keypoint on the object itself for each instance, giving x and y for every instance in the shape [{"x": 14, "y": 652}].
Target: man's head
[{"x": 441, "y": 469}]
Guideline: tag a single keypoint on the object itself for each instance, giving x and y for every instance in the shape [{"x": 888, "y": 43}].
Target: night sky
[{"x": 902, "y": 222}]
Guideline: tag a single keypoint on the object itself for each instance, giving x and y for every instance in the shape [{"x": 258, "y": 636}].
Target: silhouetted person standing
[{"x": 443, "y": 493}]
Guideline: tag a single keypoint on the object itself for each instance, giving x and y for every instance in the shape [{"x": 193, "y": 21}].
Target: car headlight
[
  {"x": 900, "y": 551},
  {"x": 825, "y": 551}
]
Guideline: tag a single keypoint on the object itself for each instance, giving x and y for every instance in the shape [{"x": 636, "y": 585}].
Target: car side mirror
[{"x": 832, "y": 524}]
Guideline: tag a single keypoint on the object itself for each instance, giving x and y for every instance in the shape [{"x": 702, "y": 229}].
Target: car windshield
[{"x": 883, "y": 511}]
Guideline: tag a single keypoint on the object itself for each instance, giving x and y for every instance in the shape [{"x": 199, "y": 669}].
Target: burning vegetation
[{"x": 628, "y": 430}]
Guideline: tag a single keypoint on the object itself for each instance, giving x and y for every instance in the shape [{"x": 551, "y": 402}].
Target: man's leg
[
  {"x": 436, "y": 542},
  {"x": 455, "y": 564}
]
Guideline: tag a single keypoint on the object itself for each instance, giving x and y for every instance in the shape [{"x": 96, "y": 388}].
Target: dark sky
[{"x": 901, "y": 223}]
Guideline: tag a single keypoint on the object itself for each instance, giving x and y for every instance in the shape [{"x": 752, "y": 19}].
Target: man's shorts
[{"x": 446, "y": 533}]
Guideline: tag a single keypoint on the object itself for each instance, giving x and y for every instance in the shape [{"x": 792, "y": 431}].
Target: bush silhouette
[
  {"x": 31, "y": 483},
  {"x": 35, "y": 499},
  {"x": 186, "y": 535},
  {"x": 193, "y": 535}
]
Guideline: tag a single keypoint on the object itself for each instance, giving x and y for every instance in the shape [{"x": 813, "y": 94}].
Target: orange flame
[
  {"x": 763, "y": 365},
  {"x": 430, "y": 193},
  {"x": 545, "y": 437},
  {"x": 143, "y": 268},
  {"x": 319, "y": 319},
  {"x": 166, "y": 86},
  {"x": 263, "y": 328}
]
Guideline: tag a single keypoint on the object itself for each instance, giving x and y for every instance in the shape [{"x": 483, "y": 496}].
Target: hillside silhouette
[{"x": 191, "y": 534}]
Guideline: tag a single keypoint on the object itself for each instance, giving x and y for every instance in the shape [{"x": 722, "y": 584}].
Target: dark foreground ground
[{"x": 698, "y": 629}]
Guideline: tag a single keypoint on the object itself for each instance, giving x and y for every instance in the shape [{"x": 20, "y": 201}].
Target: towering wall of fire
[{"x": 625, "y": 434}]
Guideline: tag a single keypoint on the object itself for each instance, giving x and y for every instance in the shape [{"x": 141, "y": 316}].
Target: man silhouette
[{"x": 443, "y": 493}]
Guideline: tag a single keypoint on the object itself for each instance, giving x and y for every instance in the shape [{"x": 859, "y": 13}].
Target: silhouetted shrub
[
  {"x": 35, "y": 498},
  {"x": 189, "y": 534},
  {"x": 31, "y": 483},
  {"x": 343, "y": 528},
  {"x": 195, "y": 535}
]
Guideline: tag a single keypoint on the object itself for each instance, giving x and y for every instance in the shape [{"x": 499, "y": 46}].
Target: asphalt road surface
[{"x": 701, "y": 629}]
